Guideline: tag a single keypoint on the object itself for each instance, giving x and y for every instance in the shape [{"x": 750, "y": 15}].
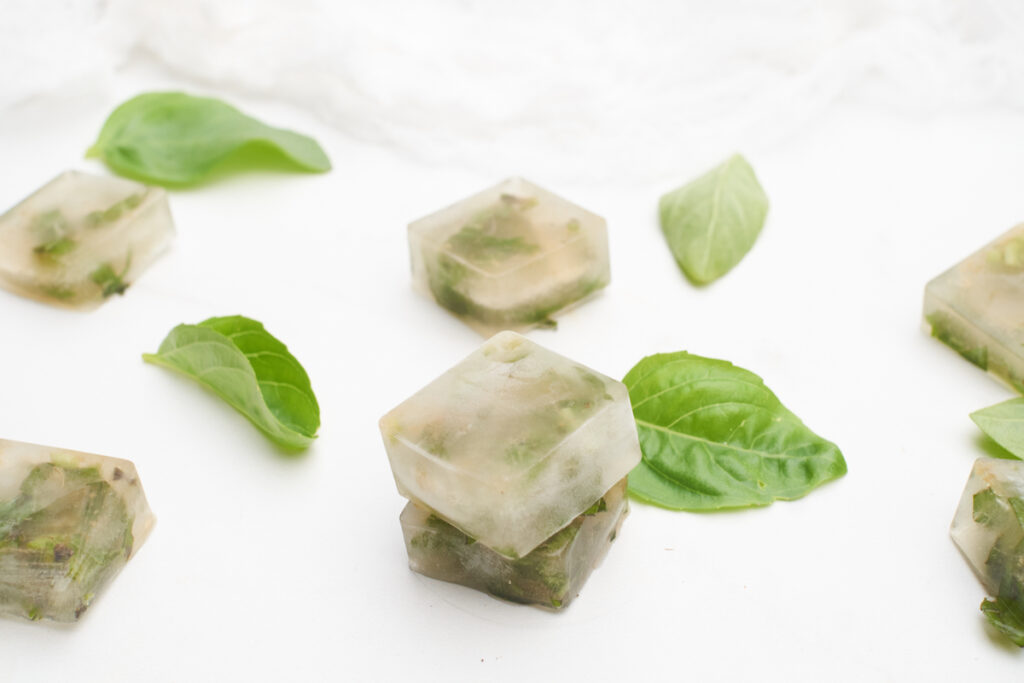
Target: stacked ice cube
[
  {"x": 510, "y": 258},
  {"x": 514, "y": 462}
]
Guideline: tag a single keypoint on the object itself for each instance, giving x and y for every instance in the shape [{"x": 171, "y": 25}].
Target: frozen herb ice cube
[
  {"x": 551, "y": 575},
  {"x": 512, "y": 443},
  {"x": 82, "y": 238},
  {"x": 69, "y": 522},
  {"x": 989, "y": 529},
  {"x": 977, "y": 307},
  {"x": 510, "y": 257},
  {"x": 989, "y": 523}
]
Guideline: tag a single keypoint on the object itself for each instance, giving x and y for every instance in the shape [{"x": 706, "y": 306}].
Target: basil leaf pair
[
  {"x": 241, "y": 362},
  {"x": 714, "y": 436}
]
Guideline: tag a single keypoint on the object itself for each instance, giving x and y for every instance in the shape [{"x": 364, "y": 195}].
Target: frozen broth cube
[
  {"x": 551, "y": 575},
  {"x": 69, "y": 522},
  {"x": 977, "y": 307},
  {"x": 510, "y": 257},
  {"x": 513, "y": 443},
  {"x": 82, "y": 238}
]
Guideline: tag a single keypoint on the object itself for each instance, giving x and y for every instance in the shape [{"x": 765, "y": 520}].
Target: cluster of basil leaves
[
  {"x": 176, "y": 140},
  {"x": 713, "y": 435}
]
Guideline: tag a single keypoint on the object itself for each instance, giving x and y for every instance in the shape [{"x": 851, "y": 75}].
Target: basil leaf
[
  {"x": 251, "y": 370},
  {"x": 170, "y": 138},
  {"x": 712, "y": 222},
  {"x": 714, "y": 436},
  {"x": 1004, "y": 424}
]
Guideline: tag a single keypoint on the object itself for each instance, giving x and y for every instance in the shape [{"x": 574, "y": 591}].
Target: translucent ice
[
  {"x": 977, "y": 307},
  {"x": 988, "y": 523},
  {"x": 82, "y": 238},
  {"x": 550, "y": 575},
  {"x": 513, "y": 443},
  {"x": 510, "y": 257},
  {"x": 989, "y": 529},
  {"x": 69, "y": 521}
]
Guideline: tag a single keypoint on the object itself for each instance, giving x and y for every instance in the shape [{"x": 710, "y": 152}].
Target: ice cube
[
  {"x": 513, "y": 443},
  {"x": 977, "y": 307},
  {"x": 510, "y": 257},
  {"x": 82, "y": 238},
  {"x": 551, "y": 575},
  {"x": 989, "y": 523},
  {"x": 69, "y": 522}
]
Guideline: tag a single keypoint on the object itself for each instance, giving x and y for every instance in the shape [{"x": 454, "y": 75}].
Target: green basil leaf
[
  {"x": 251, "y": 370},
  {"x": 711, "y": 222},
  {"x": 714, "y": 436},
  {"x": 170, "y": 138},
  {"x": 1004, "y": 424}
]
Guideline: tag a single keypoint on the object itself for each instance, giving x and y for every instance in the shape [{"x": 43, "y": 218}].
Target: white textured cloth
[{"x": 612, "y": 90}]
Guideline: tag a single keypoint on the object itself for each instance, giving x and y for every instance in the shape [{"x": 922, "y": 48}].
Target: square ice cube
[
  {"x": 69, "y": 522},
  {"x": 551, "y": 575},
  {"x": 977, "y": 307},
  {"x": 82, "y": 238},
  {"x": 513, "y": 443},
  {"x": 510, "y": 257}
]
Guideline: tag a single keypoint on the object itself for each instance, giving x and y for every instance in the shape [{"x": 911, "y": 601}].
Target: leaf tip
[{"x": 325, "y": 164}]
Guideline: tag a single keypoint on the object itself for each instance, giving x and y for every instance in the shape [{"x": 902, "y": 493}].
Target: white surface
[{"x": 264, "y": 569}]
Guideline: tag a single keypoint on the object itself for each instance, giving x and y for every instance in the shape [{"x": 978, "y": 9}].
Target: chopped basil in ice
[
  {"x": 975, "y": 308},
  {"x": 69, "y": 524},
  {"x": 989, "y": 530},
  {"x": 510, "y": 257},
  {"x": 82, "y": 238},
  {"x": 549, "y": 576}
]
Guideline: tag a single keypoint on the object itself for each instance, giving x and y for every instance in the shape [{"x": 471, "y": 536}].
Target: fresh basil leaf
[
  {"x": 711, "y": 222},
  {"x": 251, "y": 370},
  {"x": 714, "y": 436},
  {"x": 170, "y": 138},
  {"x": 1004, "y": 424}
]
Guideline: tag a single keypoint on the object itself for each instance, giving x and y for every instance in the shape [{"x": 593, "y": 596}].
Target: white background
[{"x": 266, "y": 568}]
